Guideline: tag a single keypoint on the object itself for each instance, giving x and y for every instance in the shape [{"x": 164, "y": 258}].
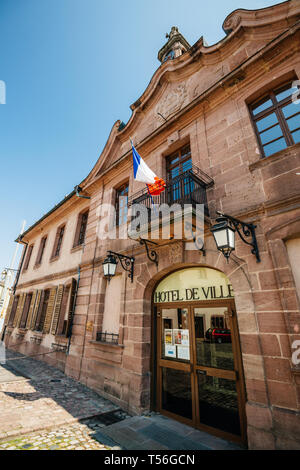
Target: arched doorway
[{"x": 197, "y": 359}]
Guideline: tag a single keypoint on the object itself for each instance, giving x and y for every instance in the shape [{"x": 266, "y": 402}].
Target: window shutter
[
  {"x": 57, "y": 308},
  {"x": 71, "y": 306},
  {"x": 31, "y": 308},
  {"x": 19, "y": 311},
  {"x": 8, "y": 311},
  {"x": 35, "y": 309},
  {"x": 49, "y": 312}
]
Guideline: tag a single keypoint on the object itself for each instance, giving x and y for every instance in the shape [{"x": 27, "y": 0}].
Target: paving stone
[
  {"x": 38, "y": 403},
  {"x": 44, "y": 414}
]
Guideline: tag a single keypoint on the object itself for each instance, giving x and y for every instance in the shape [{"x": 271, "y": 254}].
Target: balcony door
[
  {"x": 199, "y": 370},
  {"x": 178, "y": 164}
]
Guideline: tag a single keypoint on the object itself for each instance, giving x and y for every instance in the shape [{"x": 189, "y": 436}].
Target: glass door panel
[
  {"x": 197, "y": 364},
  {"x": 175, "y": 369},
  {"x": 218, "y": 403},
  {"x": 213, "y": 338},
  {"x": 175, "y": 336},
  {"x": 218, "y": 400},
  {"x": 177, "y": 392}
]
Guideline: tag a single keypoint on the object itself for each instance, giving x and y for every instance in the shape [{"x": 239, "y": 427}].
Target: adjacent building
[{"x": 205, "y": 341}]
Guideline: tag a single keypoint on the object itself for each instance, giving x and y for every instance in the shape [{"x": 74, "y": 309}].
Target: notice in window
[
  {"x": 168, "y": 337},
  {"x": 177, "y": 336},
  {"x": 185, "y": 339},
  {"x": 170, "y": 351},
  {"x": 183, "y": 352},
  {"x": 181, "y": 337}
]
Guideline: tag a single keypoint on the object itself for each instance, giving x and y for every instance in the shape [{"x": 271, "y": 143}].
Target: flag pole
[
  {"x": 154, "y": 208},
  {"x": 152, "y": 202}
]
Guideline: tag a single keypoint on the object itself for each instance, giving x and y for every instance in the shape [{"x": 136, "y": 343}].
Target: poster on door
[
  {"x": 168, "y": 336},
  {"x": 183, "y": 352},
  {"x": 177, "y": 344},
  {"x": 170, "y": 351},
  {"x": 181, "y": 337}
]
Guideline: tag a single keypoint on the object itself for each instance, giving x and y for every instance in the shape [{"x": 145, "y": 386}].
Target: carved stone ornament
[
  {"x": 171, "y": 103},
  {"x": 175, "y": 253},
  {"x": 231, "y": 23}
]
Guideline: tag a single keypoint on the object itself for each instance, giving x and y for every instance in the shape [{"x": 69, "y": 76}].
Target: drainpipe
[
  {"x": 19, "y": 240},
  {"x": 73, "y": 311},
  {"x": 78, "y": 190}
]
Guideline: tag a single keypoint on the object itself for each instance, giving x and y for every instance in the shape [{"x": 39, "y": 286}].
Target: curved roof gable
[{"x": 170, "y": 77}]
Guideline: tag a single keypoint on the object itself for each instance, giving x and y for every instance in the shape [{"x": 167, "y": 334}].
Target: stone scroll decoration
[{"x": 231, "y": 23}]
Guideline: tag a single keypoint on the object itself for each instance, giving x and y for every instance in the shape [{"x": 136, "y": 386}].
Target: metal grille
[
  {"x": 107, "y": 337},
  {"x": 188, "y": 187}
]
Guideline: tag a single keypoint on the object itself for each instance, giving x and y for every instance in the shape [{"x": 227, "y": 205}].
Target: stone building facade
[{"x": 223, "y": 117}]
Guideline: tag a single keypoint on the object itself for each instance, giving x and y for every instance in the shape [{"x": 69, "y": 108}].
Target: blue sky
[{"x": 71, "y": 69}]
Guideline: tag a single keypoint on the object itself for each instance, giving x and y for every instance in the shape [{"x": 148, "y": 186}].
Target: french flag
[{"x": 141, "y": 171}]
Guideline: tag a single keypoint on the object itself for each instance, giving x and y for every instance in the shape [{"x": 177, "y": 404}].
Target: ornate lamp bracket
[
  {"x": 151, "y": 254},
  {"x": 127, "y": 263},
  {"x": 197, "y": 239},
  {"x": 244, "y": 230}
]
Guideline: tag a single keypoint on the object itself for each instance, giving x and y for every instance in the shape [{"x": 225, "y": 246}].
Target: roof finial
[{"x": 175, "y": 46}]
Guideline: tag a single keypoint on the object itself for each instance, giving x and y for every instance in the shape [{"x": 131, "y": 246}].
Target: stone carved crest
[
  {"x": 171, "y": 103},
  {"x": 175, "y": 253}
]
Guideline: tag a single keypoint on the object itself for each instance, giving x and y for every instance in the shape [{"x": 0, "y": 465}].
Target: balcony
[{"x": 187, "y": 188}]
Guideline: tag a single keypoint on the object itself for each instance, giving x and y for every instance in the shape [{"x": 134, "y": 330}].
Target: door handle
[{"x": 202, "y": 372}]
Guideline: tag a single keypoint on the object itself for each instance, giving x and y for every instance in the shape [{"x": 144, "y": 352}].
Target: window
[
  {"x": 58, "y": 242},
  {"x": 41, "y": 251},
  {"x": 121, "y": 204},
  {"x": 42, "y": 311},
  {"x": 177, "y": 164},
  {"x": 63, "y": 314},
  {"x": 13, "y": 310},
  {"x": 170, "y": 55},
  {"x": 217, "y": 322},
  {"x": 81, "y": 228},
  {"x": 25, "y": 310},
  {"x": 277, "y": 120},
  {"x": 28, "y": 257}
]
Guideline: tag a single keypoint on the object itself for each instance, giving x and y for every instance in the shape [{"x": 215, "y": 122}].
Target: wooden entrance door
[{"x": 199, "y": 369}]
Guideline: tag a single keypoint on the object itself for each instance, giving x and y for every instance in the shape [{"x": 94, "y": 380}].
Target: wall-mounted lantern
[
  {"x": 110, "y": 264},
  {"x": 224, "y": 234}
]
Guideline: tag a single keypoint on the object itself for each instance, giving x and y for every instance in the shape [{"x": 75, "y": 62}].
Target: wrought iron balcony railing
[{"x": 188, "y": 187}]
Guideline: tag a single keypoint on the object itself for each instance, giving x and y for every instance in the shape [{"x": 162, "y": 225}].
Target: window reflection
[
  {"x": 275, "y": 146},
  {"x": 293, "y": 122},
  {"x": 177, "y": 392},
  {"x": 213, "y": 338},
  {"x": 296, "y": 136},
  {"x": 261, "y": 107},
  {"x": 280, "y": 95},
  {"x": 271, "y": 134},
  {"x": 218, "y": 403},
  {"x": 291, "y": 109},
  {"x": 277, "y": 119},
  {"x": 267, "y": 122}
]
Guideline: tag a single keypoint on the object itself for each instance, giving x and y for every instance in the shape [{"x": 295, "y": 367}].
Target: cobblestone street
[
  {"x": 77, "y": 436},
  {"x": 42, "y": 409},
  {"x": 35, "y": 397}
]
